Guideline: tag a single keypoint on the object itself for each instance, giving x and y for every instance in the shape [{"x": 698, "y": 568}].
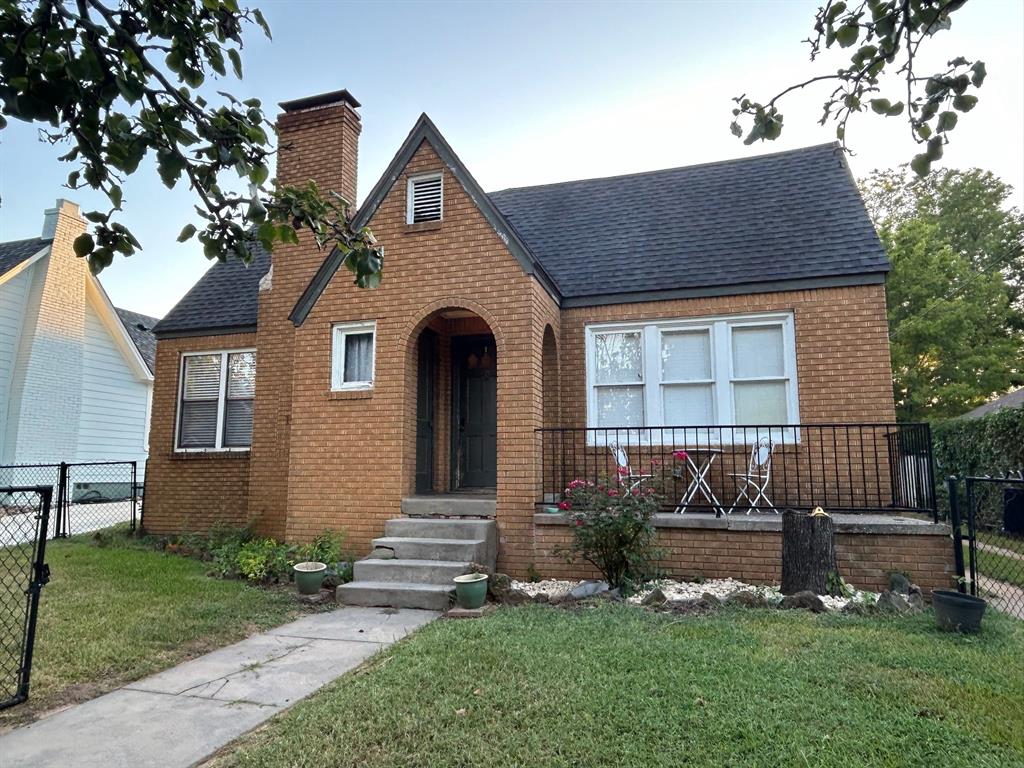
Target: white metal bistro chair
[
  {"x": 753, "y": 484},
  {"x": 627, "y": 477}
]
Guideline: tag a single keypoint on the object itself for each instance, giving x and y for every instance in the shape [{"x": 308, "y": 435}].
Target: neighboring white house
[{"x": 76, "y": 374}]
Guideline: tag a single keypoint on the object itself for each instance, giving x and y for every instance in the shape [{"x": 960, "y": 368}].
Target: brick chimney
[{"x": 318, "y": 139}]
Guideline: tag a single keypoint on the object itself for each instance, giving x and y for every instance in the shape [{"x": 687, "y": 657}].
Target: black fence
[
  {"x": 729, "y": 469},
  {"x": 24, "y": 516},
  {"x": 87, "y": 496},
  {"x": 987, "y": 514}
]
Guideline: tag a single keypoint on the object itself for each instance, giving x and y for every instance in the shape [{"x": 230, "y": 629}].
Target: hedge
[{"x": 991, "y": 445}]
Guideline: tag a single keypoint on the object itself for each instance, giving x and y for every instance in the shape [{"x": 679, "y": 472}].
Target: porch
[{"x": 723, "y": 470}]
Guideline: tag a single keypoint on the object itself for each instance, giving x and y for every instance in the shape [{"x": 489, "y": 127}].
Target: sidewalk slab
[{"x": 181, "y": 716}]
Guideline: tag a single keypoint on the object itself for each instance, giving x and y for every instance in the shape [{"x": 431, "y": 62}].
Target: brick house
[{"x": 515, "y": 335}]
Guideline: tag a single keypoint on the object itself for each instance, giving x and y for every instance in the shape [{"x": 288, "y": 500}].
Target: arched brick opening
[
  {"x": 447, "y": 342},
  {"x": 549, "y": 380}
]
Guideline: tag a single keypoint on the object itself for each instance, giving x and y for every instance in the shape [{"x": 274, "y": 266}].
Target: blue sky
[{"x": 530, "y": 93}]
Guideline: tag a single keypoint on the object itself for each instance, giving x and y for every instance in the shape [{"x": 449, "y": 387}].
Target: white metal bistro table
[{"x": 699, "y": 483}]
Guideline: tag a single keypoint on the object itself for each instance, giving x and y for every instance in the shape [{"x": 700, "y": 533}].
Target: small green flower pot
[
  {"x": 471, "y": 590},
  {"x": 309, "y": 577}
]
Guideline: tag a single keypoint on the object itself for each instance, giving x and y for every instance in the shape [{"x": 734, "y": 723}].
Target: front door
[
  {"x": 475, "y": 438},
  {"x": 425, "y": 412}
]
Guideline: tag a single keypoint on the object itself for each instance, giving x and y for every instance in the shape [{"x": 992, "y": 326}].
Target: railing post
[
  {"x": 953, "y": 486},
  {"x": 931, "y": 473}
]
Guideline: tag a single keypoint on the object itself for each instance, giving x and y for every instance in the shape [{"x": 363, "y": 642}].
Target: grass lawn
[
  {"x": 114, "y": 614},
  {"x": 615, "y": 686},
  {"x": 996, "y": 565}
]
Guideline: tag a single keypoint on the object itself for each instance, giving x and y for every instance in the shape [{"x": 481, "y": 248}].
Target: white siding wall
[
  {"x": 13, "y": 297},
  {"x": 113, "y": 418}
]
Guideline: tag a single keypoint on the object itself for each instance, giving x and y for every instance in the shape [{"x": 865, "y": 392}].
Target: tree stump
[{"x": 808, "y": 554}]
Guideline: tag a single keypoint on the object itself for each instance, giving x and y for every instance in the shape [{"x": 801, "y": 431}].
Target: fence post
[
  {"x": 133, "y": 493},
  {"x": 62, "y": 491},
  {"x": 952, "y": 486},
  {"x": 931, "y": 473}
]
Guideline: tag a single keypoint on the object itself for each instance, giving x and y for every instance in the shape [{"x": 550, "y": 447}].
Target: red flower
[
  {"x": 612, "y": 492},
  {"x": 636, "y": 491},
  {"x": 681, "y": 455},
  {"x": 579, "y": 522},
  {"x": 622, "y": 471},
  {"x": 564, "y": 505}
]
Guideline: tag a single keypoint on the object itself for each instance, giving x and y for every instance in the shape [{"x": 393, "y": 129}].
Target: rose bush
[{"x": 613, "y": 530}]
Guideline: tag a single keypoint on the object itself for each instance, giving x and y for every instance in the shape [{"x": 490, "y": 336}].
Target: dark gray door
[
  {"x": 425, "y": 382},
  {"x": 476, "y": 439}
]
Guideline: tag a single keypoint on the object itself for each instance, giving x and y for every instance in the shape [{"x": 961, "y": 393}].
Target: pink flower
[
  {"x": 612, "y": 492},
  {"x": 579, "y": 521},
  {"x": 655, "y": 462},
  {"x": 636, "y": 490},
  {"x": 622, "y": 471},
  {"x": 564, "y": 505},
  {"x": 681, "y": 455},
  {"x": 573, "y": 484}
]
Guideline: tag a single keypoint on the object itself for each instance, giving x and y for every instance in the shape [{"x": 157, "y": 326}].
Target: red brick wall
[
  {"x": 865, "y": 559},
  {"x": 191, "y": 491}
]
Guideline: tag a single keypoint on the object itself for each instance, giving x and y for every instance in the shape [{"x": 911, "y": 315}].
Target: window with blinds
[
  {"x": 738, "y": 370},
  {"x": 425, "y": 201},
  {"x": 216, "y": 403}
]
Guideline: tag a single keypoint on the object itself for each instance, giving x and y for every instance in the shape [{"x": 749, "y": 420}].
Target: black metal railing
[{"x": 726, "y": 469}]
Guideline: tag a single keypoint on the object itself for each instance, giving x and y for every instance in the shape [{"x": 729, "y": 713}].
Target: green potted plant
[
  {"x": 309, "y": 576},
  {"x": 471, "y": 588},
  {"x": 956, "y": 611}
]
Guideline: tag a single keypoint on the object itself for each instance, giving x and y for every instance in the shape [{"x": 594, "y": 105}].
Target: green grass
[
  {"x": 615, "y": 686},
  {"x": 114, "y": 614},
  {"x": 996, "y": 565}
]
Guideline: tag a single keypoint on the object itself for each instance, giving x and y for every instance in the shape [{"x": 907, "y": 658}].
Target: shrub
[
  {"x": 326, "y": 548},
  {"x": 263, "y": 561},
  {"x": 612, "y": 529}
]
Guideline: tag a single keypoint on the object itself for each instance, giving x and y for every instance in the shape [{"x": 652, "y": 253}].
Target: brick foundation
[{"x": 751, "y": 550}]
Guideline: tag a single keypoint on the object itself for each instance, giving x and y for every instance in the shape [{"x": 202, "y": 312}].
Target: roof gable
[
  {"x": 140, "y": 330},
  {"x": 424, "y": 130},
  {"x": 15, "y": 252}
]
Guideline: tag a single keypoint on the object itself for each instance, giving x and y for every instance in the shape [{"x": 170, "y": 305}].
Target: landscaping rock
[
  {"x": 316, "y": 599},
  {"x": 858, "y": 608},
  {"x": 515, "y": 597},
  {"x": 499, "y": 585},
  {"x": 899, "y": 583},
  {"x": 464, "y": 613},
  {"x": 381, "y": 553},
  {"x": 805, "y": 600},
  {"x": 709, "y": 601},
  {"x": 916, "y": 601},
  {"x": 541, "y": 598},
  {"x": 747, "y": 599},
  {"x": 588, "y": 589},
  {"x": 655, "y": 598},
  {"x": 894, "y": 604}
]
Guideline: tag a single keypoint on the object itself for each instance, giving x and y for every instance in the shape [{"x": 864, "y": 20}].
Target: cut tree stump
[{"x": 808, "y": 554}]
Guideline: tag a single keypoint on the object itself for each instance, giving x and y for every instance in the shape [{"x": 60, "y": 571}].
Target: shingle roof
[
  {"x": 786, "y": 216},
  {"x": 1013, "y": 399},
  {"x": 782, "y": 220},
  {"x": 16, "y": 251},
  {"x": 224, "y": 299},
  {"x": 140, "y": 328}
]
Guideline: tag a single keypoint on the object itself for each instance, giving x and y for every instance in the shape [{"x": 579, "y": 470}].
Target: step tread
[
  {"x": 388, "y": 540},
  {"x": 401, "y": 586},
  {"x": 415, "y": 561}
]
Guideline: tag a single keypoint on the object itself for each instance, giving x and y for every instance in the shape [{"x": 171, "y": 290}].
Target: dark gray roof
[
  {"x": 782, "y": 221},
  {"x": 781, "y": 217},
  {"x": 223, "y": 301},
  {"x": 1013, "y": 399},
  {"x": 140, "y": 328},
  {"x": 16, "y": 251}
]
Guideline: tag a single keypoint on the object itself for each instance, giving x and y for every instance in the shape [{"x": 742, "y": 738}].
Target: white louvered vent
[{"x": 425, "y": 202}]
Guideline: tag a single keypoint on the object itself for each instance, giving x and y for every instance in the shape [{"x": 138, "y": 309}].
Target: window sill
[
  {"x": 423, "y": 226},
  {"x": 350, "y": 394},
  {"x": 211, "y": 455}
]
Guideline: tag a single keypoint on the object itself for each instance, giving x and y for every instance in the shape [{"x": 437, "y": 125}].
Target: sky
[{"x": 532, "y": 93}]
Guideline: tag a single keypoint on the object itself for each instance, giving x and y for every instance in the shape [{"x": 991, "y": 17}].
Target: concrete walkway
[{"x": 183, "y": 715}]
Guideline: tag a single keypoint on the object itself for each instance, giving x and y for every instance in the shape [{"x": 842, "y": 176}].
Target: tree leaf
[
  {"x": 84, "y": 244},
  {"x": 947, "y": 121},
  {"x": 881, "y": 106},
  {"x": 236, "y": 62},
  {"x": 847, "y": 35},
  {"x": 921, "y": 165},
  {"x": 186, "y": 233},
  {"x": 964, "y": 103}
]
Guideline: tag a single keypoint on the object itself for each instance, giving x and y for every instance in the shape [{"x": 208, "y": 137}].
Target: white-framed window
[
  {"x": 215, "y": 400},
  {"x": 736, "y": 370},
  {"x": 424, "y": 198},
  {"x": 353, "y": 352}
]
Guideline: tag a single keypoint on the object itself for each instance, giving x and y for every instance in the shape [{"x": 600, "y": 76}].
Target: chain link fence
[
  {"x": 24, "y": 515},
  {"x": 87, "y": 496},
  {"x": 990, "y": 557}
]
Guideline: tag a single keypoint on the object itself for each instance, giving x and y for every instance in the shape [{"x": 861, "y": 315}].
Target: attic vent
[{"x": 425, "y": 202}]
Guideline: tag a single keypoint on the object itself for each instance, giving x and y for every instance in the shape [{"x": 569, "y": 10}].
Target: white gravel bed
[{"x": 690, "y": 590}]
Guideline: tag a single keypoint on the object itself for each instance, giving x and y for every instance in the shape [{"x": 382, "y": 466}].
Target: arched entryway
[{"x": 455, "y": 380}]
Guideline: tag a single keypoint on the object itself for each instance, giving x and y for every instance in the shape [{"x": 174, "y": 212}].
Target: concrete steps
[{"x": 428, "y": 553}]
